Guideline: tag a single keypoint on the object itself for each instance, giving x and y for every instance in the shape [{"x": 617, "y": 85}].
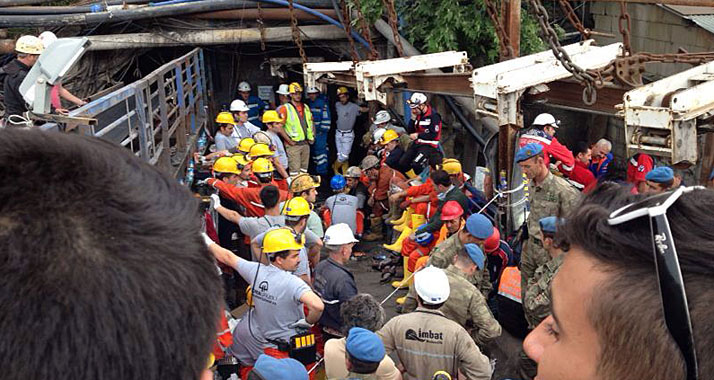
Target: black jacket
[
  {"x": 335, "y": 284},
  {"x": 15, "y": 74}
]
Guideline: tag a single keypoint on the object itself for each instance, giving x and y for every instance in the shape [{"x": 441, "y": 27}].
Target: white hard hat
[
  {"x": 378, "y": 133},
  {"x": 416, "y": 99},
  {"x": 47, "y": 38},
  {"x": 283, "y": 89},
  {"x": 382, "y": 117},
  {"x": 339, "y": 234},
  {"x": 546, "y": 119},
  {"x": 313, "y": 90},
  {"x": 243, "y": 86},
  {"x": 29, "y": 45},
  {"x": 432, "y": 285},
  {"x": 239, "y": 106}
]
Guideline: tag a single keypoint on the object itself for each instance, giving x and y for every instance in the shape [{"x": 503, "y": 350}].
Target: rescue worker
[
  {"x": 226, "y": 170},
  {"x": 601, "y": 158},
  {"x": 550, "y": 195},
  {"x": 383, "y": 179},
  {"x": 28, "y": 50},
  {"x": 580, "y": 173},
  {"x": 446, "y": 191},
  {"x": 542, "y": 132},
  {"x": 283, "y": 96},
  {"x": 274, "y": 126},
  {"x": 245, "y": 144},
  {"x": 356, "y": 188},
  {"x": 383, "y": 120},
  {"x": 498, "y": 255},
  {"x": 243, "y": 127},
  {"x": 259, "y": 150},
  {"x": 425, "y": 132},
  {"x": 320, "y": 109},
  {"x": 300, "y": 131},
  {"x": 225, "y": 140},
  {"x": 334, "y": 283},
  {"x": 246, "y": 172},
  {"x": 392, "y": 150},
  {"x": 305, "y": 185},
  {"x": 537, "y": 298},
  {"x": 254, "y": 226},
  {"x": 637, "y": 168},
  {"x": 268, "y": 367},
  {"x": 256, "y": 106},
  {"x": 466, "y": 304},
  {"x": 278, "y": 296},
  {"x": 364, "y": 352},
  {"x": 659, "y": 180},
  {"x": 347, "y": 113},
  {"x": 342, "y": 207},
  {"x": 426, "y": 341}
]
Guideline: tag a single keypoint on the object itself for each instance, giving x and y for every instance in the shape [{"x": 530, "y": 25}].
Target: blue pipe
[
  {"x": 169, "y": 2},
  {"x": 319, "y": 15}
]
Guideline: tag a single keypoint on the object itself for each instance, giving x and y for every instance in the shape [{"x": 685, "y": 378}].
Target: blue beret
[
  {"x": 528, "y": 151},
  {"x": 660, "y": 174},
  {"x": 364, "y": 345},
  {"x": 479, "y": 226},
  {"x": 548, "y": 224},
  {"x": 285, "y": 369},
  {"x": 476, "y": 254}
]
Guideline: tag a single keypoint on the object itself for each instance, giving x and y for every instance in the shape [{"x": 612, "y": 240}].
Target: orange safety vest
[{"x": 510, "y": 285}]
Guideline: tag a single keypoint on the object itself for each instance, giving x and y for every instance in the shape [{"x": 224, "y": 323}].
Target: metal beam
[
  {"x": 512, "y": 23},
  {"x": 568, "y": 94}
]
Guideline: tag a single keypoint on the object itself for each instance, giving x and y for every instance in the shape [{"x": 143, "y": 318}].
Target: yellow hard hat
[
  {"x": 271, "y": 116},
  {"x": 226, "y": 165},
  {"x": 29, "y": 45},
  {"x": 262, "y": 165},
  {"x": 240, "y": 160},
  {"x": 303, "y": 182},
  {"x": 296, "y": 206},
  {"x": 245, "y": 144},
  {"x": 294, "y": 87},
  {"x": 225, "y": 118},
  {"x": 388, "y": 136},
  {"x": 451, "y": 166},
  {"x": 342, "y": 90},
  {"x": 260, "y": 150},
  {"x": 282, "y": 239}
]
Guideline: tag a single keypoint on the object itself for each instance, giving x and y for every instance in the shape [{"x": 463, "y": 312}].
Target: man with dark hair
[
  {"x": 85, "y": 255},
  {"x": 612, "y": 325},
  {"x": 580, "y": 173},
  {"x": 659, "y": 180},
  {"x": 28, "y": 49},
  {"x": 253, "y": 226}
]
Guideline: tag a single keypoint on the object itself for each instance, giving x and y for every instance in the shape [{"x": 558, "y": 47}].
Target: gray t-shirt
[
  {"x": 343, "y": 209},
  {"x": 346, "y": 115},
  {"x": 224, "y": 142},
  {"x": 254, "y": 226},
  {"x": 280, "y": 149},
  {"x": 304, "y": 266},
  {"x": 276, "y": 296}
]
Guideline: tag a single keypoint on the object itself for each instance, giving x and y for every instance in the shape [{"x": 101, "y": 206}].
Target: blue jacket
[
  {"x": 599, "y": 169},
  {"x": 335, "y": 284},
  {"x": 257, "y": 107},
  {"x": 320, "y": 109}
]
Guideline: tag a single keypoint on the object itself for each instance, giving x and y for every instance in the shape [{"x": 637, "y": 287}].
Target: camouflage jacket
[
  {"x": 553, "y": 197},
  {"x": 443, "y": 255},
  {"x": 537, "y": 300}
]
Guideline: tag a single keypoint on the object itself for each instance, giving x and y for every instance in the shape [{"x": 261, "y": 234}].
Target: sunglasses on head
[{"x": 669, "y": 273}]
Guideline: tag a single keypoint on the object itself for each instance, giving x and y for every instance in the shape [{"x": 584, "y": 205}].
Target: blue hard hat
[
  {"x": 338, "y": 182},
  {"x": 549, "y": 224},
  {"x": 424, "y": 238},
  {"x": 528, "y": 151},
  {"x": 364, "y": 345},
  {"x": 479, "y": 226},
  {"x": 288, "y": 369},
  {"x": 660, "y": 174},
  {"x": 476, "y": 254}
]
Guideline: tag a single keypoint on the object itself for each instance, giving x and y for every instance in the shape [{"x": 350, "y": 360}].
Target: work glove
[
  {"x": 215, "y": 201},
  {"x": 301, "y": 324}
]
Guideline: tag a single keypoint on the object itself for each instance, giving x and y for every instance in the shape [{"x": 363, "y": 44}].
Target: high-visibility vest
[
  {"x": 292, "y": 125},
  {"x": 510, "y": 285}
]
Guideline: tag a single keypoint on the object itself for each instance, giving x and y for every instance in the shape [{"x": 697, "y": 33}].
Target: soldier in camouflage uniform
[
  {"x": 477, "y": 229},
  {"x": 549, "y": 196},
  {"x": 466, "y": 305}
]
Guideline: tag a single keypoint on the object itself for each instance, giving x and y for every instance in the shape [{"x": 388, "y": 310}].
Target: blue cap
[
  {"x": 271, "y": 368},
  {"x": 476, "y": 254},
  {"x": 338, "y": 182},
  {"x": 660, "y": 174},
  {"x": 528, "y": 151},
  {"x": 479, "y": 226},
  {"x": 549, "y": 224},
  {"x": 364, "y": 345}
]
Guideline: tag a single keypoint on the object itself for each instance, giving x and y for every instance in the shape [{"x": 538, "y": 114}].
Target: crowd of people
[{"x": 117, "y": 272}]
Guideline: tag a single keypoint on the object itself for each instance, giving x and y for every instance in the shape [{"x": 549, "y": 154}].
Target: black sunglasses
[{"x": 669, "y": 273}]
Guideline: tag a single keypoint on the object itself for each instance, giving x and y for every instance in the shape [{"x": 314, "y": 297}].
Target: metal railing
[{"x": 158, "y": 117}]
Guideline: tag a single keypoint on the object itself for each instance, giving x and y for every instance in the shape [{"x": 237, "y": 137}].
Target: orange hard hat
[
  {"x": 451, "y": 210},
  {"x": 493, "y": 242}
]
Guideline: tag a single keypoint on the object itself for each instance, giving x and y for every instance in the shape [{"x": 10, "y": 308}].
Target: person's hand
[
  {"x": 370, "y": 202},
  {"x": 301, "y": 324},
  {"x": 215, "y": 201},
  {"x": 291, "y": 142},
  {"x": 412, "y": 237},
  {"x": 413, "y": 136},
  {"x": 81, "y": 102}
]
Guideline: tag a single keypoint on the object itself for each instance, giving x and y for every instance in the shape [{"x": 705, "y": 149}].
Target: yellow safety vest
[{"x": 293, "y": 127}]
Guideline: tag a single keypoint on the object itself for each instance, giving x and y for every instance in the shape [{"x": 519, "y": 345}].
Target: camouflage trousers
[{"x": 533, "y": 256}]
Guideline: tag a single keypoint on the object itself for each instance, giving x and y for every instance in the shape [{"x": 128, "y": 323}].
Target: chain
[
  {"x": 588, "y": 79},
  {"x": 393, "y": 23},
  {"x": 504, "y": 41},
  {"x": 347, "y": 20},
  {"x": 574, "y": 19},
  {"x": 261, "y": 27},
  {"x": 296, "y": 31},
  {"x": 624, "y": 24},
  {"x": 364, "y": 27}
]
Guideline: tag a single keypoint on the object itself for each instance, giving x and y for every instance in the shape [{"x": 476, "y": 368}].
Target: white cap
[
  {"x": 312, "y": 90},
  {"x": 416, "y": 99},
  {"x": 546, "y": 119},
  {"x": 432, "y": 285},
  {"x": 378, "y": 133},
  {"x": 283, "y": 89},
  {"x": 239, "y": 106},
  {"x": 244, "y": 86},
  {"x": 382, "y": 117},
  {"x": 339, "y": 234},
  {"x": 47, "y": 38}
]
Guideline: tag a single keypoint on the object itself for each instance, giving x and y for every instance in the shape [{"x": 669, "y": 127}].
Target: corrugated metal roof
[
  {"x": 704, "y": 21},
  {"x": 702, "y": 16}
]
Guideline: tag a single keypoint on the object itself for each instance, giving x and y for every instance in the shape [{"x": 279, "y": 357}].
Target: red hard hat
[
  {"x": 493, "y": 242},
  {"x": 451, "y": 210}
]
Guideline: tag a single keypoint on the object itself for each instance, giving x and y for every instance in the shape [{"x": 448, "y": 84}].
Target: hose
[{"x": 54, "y": 10}]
